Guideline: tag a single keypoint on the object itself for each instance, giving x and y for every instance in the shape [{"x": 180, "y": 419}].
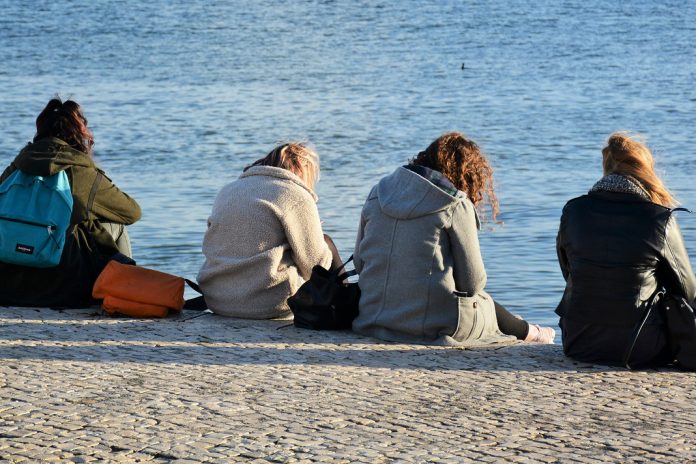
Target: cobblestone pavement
[{"x": 77, "y": 387}]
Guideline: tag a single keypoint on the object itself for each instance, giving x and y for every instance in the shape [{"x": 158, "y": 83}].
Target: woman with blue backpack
[{"x": 61, "y": 217}]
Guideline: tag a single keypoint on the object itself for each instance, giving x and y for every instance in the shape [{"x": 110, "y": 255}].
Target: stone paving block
[{"x": 80, "y": 388}]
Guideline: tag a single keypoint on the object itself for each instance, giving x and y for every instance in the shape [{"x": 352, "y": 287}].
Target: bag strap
[
  {"x": 657, "y": 296},
  {"x": 93, "y": 192},
  {"x": 196, "y": 303},
  {"x": 342, "y": 266},
  {"x": 345, "y": 275}
]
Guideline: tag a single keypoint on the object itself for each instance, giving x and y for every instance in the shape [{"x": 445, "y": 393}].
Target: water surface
[{"x": 182, "y": 95}]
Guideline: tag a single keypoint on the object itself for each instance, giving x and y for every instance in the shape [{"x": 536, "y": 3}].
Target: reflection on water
[{"x": 182, "y": 96}]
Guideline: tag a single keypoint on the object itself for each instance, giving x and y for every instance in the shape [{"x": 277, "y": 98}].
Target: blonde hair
[
  {"x": 628, "y": 155},
  {"x": 297, "y": 158}
]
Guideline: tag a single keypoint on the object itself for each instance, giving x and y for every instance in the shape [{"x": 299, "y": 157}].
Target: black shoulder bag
[
  {"x": 681, "y": 331},
  {"x": 654, "y": 300},
  {"x": 326, "y": 301},
  {"x": 680, "y": 327}
]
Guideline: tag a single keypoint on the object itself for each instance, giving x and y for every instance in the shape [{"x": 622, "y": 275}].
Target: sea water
[{"x": 181, "y": 95}]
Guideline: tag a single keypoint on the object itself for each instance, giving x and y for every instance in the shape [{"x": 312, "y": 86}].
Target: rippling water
[{"x": 182, "y": 95}]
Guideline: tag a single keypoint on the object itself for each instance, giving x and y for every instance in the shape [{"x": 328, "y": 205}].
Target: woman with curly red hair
[
  {"x": 100, "y": 213},
  {"x": 422, "y": 277}
]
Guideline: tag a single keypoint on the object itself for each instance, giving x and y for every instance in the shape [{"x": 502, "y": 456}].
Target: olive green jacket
[{"x": 88, "y": 245}]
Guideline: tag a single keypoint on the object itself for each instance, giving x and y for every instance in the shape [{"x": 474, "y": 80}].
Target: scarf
[{"x": 618, "y": 183}]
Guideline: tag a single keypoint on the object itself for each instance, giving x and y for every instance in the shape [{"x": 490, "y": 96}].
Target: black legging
[{"x": 509, "y": 324}]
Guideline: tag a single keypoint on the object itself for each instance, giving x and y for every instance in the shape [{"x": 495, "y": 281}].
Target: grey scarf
[{"x": 620, "y": 184}]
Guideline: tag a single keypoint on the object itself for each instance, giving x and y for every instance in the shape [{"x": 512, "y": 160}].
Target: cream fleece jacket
[{"x": 263, "y": 239}]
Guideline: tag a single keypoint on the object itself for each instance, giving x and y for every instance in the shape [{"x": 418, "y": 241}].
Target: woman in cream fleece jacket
[{"x": 264, "y": 236}]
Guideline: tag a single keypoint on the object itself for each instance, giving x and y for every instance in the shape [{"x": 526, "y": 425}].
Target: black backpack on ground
[{"x": 326, "y": 301}]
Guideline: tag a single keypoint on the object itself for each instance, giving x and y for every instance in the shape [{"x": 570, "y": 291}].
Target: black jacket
[
  {"x": 615, "y": 250},
  {"x": 87, "y": 246}
]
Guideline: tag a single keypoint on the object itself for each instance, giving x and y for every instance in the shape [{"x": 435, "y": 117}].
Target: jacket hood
[
  {"x": 405, "y": 194},
  {"x": 49, "y": 156}
]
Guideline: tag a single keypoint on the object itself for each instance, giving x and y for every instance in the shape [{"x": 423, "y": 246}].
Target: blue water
[{"x": 181, "y": 95}]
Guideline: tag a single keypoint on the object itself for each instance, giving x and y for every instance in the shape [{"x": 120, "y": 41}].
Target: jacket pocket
[{"x": 469, "y": 320}]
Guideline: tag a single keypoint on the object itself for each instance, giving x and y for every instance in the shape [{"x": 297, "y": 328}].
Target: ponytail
[{"x": 64, "y": 120}]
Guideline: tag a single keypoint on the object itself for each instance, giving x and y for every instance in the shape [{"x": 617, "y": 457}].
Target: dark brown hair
[
  {"x": 65, "y": 121},
  {"x": 462, "y": 162}
]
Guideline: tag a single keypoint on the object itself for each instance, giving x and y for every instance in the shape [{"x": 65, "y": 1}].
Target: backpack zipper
[{"x": 50, "y": 228}]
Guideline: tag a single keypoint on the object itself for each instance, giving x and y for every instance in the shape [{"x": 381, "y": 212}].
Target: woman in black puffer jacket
[{"x": 617, "y": 246}]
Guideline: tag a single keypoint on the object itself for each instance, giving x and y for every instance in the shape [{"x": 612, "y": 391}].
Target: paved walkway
[{"x": 76, "y": 387}]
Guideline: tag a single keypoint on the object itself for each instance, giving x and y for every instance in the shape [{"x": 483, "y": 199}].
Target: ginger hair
[
  {"x": 464, "y": 164},
  {"x": 628, "y": 155}
]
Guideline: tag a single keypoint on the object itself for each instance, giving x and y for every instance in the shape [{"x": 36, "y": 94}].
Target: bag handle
[
  {"x": 342, "y": 266},
  {"x": 345, "y": 275},
  {"x": 657, "y": 296}
]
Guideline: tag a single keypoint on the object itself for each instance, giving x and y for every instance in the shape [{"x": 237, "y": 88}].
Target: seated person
[
  {"x": 97, "y": 226},
  {"x": 421, "y": 273},
  {"x": 617, "y": 246},
  {"x": 264, "y": 236}
]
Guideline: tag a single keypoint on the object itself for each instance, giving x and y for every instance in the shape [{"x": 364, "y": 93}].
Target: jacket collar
[
  {"x": 50, "y": 155},
  {"x": 617, "y": 183},
  {"x": 279, "y": 173}
]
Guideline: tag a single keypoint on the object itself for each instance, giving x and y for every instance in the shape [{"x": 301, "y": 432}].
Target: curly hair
[
  {"x": 64, "y": 120},
  {"x": 464, "y": 164}
]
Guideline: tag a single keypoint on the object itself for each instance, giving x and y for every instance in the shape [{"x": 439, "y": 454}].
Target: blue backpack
[{"x": 35, "y": 214}]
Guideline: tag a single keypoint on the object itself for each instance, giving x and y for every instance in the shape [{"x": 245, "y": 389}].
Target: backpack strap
[
  {"x": 93, "y": 192},
  {"x": 343, "y": 276}
]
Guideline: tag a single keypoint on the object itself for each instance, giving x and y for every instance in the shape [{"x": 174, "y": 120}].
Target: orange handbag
[{"x": 136, "y": 291}]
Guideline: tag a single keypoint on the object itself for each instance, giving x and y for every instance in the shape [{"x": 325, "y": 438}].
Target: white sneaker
[{"x": 538, "y": 334}]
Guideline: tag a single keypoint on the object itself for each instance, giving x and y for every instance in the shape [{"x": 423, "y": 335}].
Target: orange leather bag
[{"x": 140, "y": 292}]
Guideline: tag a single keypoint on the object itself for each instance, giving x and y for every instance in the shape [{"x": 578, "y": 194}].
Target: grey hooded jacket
[{"x": 421, "y": 272}]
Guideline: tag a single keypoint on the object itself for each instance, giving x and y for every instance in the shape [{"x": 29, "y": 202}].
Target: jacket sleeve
[
  {"x": 678, "y": 274},
  {"x": 469, "y": 271},
  {"x": 303, "y": 231},
  {"x": 111, "y": 204},
  {"x": 560, "y": 250},
  {"x": 357, "y": 260}
]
